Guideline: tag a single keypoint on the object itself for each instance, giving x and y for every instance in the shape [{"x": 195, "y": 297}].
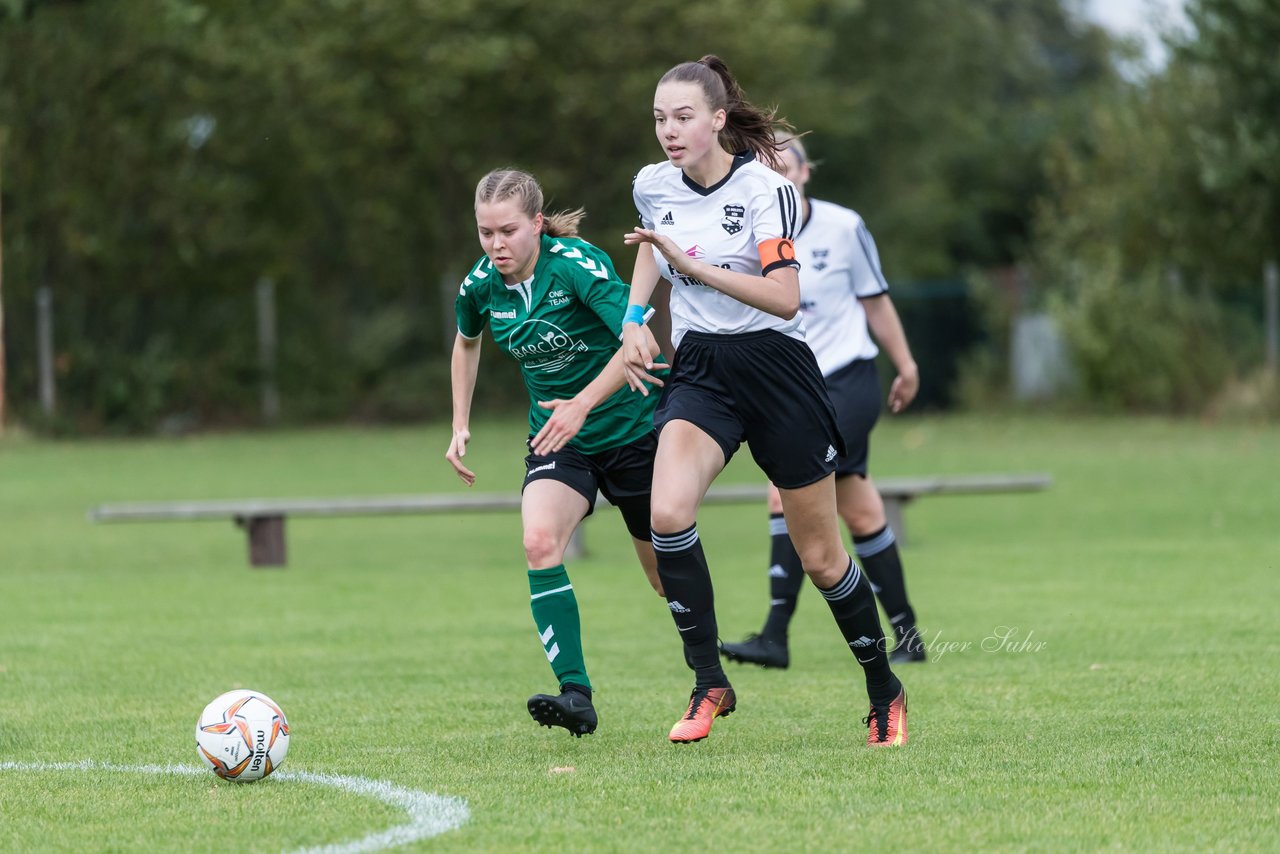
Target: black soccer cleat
[
  {"x": 909, "y": 648},
  {"x": 571, "y": 710},
  {"x": 757, "y": 649}
]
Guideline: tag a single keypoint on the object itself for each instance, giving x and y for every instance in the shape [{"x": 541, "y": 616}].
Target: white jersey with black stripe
[
  {"x": 724, "y": 225},
  {"x": 839, "y": 265}
]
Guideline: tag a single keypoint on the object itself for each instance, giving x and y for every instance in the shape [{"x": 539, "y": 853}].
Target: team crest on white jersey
[
  {"x": 553, "y": 350},
  {"x": 732, "y": 221}
]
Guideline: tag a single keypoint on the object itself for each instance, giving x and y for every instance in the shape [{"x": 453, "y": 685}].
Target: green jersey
[{"x": 562, "y": 326}]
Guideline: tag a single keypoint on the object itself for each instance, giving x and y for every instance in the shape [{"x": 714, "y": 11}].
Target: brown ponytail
[
  {"x": 502, "y": 184},
  {"x": 747, "y": 127}
]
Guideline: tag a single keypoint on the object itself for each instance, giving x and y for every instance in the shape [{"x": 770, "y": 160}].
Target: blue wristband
[{"x": 635, "y": 314}]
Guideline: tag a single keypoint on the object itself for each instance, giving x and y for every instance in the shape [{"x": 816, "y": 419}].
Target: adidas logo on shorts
[{"x": 831, "y": 453}]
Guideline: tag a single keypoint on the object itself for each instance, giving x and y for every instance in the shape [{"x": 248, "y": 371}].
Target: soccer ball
[{"x": 242, "y": 736}]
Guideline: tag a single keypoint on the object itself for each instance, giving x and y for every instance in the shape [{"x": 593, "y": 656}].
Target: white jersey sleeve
[
  {"x": 868, "y": 280},
  {"x": 641, "y": 202},
  {"x": 839, "y": 266}
]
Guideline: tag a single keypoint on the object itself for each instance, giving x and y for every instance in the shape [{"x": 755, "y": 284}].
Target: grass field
[{"x": 1134, "y": 702}]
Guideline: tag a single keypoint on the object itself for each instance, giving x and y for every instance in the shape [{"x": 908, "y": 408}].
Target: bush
[{"x": 1143, "y": 343}]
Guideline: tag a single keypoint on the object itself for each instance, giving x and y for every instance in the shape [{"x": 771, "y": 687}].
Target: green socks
[{"x": 555, "y": 614}]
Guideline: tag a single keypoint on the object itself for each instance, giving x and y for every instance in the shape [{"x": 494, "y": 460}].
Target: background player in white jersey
[
  {"x": 554, "y": 303},
  {"x": 719, "y": 226},
  {"x": 842, "y": 292}
]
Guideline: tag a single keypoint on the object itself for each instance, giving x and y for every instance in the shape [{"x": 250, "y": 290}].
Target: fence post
[
  {"x": 44, "y": 344},
  {"x": 1271, "y": 286},
  {"x": 266, "y": 297}
]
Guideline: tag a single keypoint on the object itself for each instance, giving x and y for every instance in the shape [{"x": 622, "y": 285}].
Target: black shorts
[
  {"x": 624, "y": 475},
  {"x": 855, "y": 393},
  {"x": 763, "y": 388}
]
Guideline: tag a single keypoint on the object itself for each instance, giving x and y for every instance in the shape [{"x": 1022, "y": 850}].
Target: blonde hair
[
  {"x": 794, "y": 142},
  {"x": 502, "y": 184}
]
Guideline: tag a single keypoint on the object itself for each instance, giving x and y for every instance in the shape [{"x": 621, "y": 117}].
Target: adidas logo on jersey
[
  {"x": 668, "y": 219},
  {"x": 831, "y": 453}
]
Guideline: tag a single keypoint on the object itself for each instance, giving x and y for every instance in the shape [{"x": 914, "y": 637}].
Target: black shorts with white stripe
[
  {"x": 623, "y": 475},
  {"x": 763, "y": 388},
  {"x": 855, "y": 393}
]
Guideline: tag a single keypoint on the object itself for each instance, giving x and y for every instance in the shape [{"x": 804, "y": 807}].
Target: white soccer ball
[{"x": 242, "y": 736}]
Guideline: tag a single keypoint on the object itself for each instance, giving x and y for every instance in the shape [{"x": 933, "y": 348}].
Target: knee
[
  {"x": 542, "y": 548},
  {"x": 775, "y": 501},
  {"x": 860, "y": 507},
  {"x": 863, "y": 520},
  {"x": 671, "y": 518},
  {"x": 824, "y": 562}
]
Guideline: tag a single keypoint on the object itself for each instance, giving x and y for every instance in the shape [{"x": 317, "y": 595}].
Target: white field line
[{"x": 429, "y": 814}]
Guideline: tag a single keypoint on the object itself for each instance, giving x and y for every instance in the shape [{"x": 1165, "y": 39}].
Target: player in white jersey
[
  {"x": 719, "y": 223},
  {"x": 842, "y": 292}
]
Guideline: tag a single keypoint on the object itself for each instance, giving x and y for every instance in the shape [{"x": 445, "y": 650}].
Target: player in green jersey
[{"x": 555, "y": 304}]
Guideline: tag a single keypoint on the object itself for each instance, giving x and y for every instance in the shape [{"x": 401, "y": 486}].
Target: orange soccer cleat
[
  {"x": 705, "y": 705},
  {"x": 887, "y": 725}
]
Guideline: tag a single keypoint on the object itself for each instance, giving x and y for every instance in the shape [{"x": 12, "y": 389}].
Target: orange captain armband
[{"x": 779, "y": 252}]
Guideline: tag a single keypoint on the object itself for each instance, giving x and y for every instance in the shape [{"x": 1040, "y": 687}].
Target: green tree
[
  {"x": 1160, "y": 216},
  {"x": 1232, "y": 50},
  {"x": 165, "y": 154},
  {"x": 941, "y": 118}
]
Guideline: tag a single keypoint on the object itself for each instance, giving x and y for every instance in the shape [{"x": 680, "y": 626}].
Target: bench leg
[
  {"x": 266, "y": 539},
  {"x": 893, "y": 514}
]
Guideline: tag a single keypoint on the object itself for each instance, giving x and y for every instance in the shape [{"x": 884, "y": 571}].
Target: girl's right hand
[
  {"x": 458, "y": 450},
  {"x": 637, "y": 358}
]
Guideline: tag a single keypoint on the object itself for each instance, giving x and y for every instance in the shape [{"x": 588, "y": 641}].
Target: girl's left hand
[
  {"x": 904, "y": 389},
  {"x": 675, "y": 256},
  {"x": 567, "y": 418}
]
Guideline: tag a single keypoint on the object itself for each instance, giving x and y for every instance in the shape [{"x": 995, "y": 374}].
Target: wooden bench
[{"x": 263, "y": 518}]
